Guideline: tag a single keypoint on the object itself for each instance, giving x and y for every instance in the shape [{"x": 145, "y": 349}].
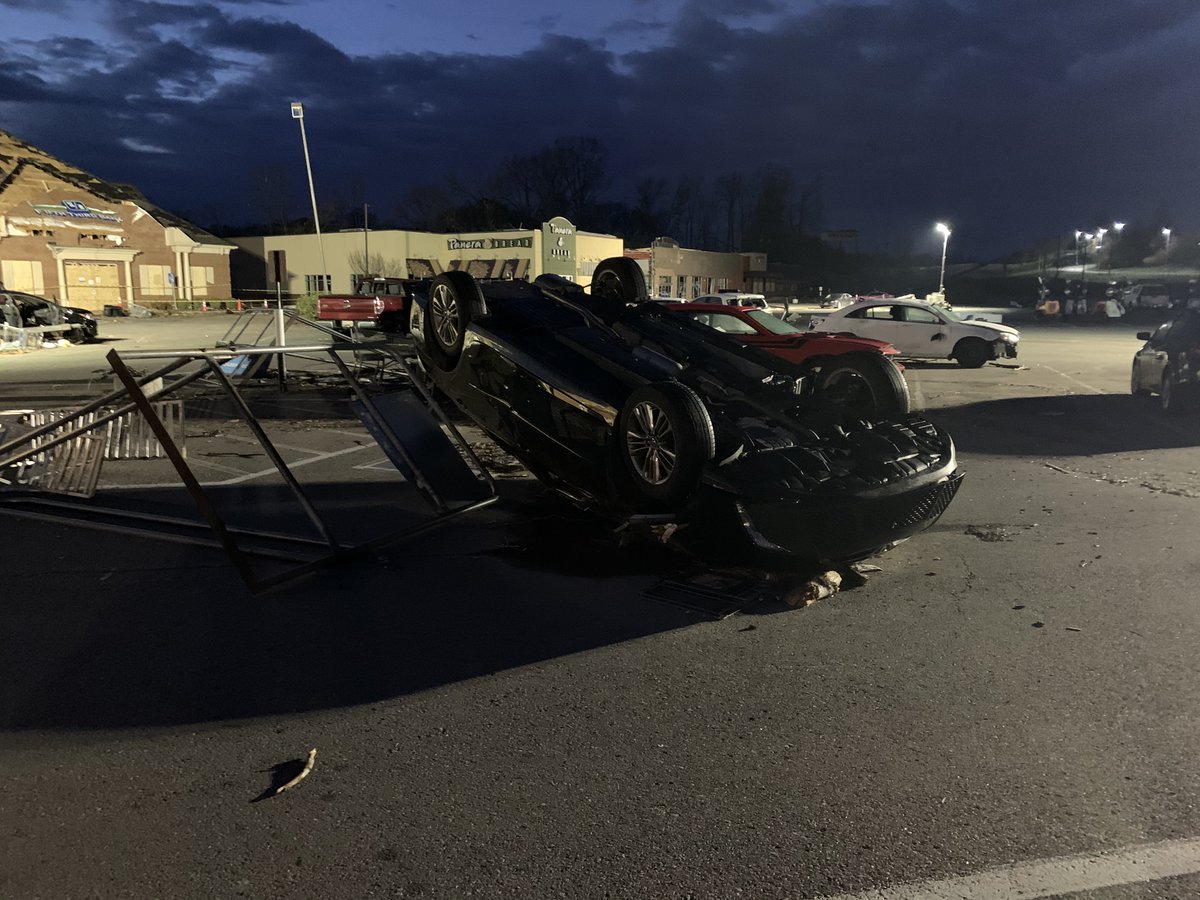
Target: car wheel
[
  {"x": 664, "y": 437},
  {"x": 619, "y": 279},
  {"x": 1135, "y": 386},
  {"x": 867, "y": 384},
  {"x": 1171, "y": 395},
  {"x": 972, "y": 353},
  {"x": 454, "y": 302}
]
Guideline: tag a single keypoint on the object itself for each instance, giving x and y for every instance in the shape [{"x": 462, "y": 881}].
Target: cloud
[{"x": 1009, "y": 119}]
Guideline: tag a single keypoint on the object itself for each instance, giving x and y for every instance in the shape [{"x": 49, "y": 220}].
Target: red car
[{"x": 852, "y": 370}]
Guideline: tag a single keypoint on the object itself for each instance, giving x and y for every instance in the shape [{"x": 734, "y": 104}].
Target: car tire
[
  {"x": 619, "y": 279},
  {"x": 664, "y": 438},
  {"x": 1171, "y": 396},
  {"x": 972, "y": 353},
  {"x": 454, "y": 302},
  {"x": 1135, "y": 386},
  {"x": 867, "y": 384}
]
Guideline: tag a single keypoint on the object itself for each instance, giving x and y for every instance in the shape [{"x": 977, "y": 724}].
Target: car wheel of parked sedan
[
  {"x": 972, "y": 353},
  {"x": 1170, "y": 395},
  {"x": 619, "y": 278},
  {"x": 664, "y": 437},
  {"x": 1135, "y": 386},
  {"x": 867, "y": 384},
  {"x": 454, "y": 302}
]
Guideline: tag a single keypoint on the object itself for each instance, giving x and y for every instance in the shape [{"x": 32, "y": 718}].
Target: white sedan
[{"x": 922, "y": 331}]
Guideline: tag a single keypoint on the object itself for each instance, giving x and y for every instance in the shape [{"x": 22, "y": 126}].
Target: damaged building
[{"x": 70, "y": 236}]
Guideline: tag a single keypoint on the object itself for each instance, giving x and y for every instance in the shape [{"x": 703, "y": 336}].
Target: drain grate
[{"x": 716, "y": 596}]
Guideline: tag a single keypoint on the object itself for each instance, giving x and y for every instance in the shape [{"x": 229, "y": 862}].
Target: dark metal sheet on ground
[{"x": 711, "y": 593}]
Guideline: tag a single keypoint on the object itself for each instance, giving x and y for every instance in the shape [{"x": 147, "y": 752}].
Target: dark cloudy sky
[{"x": 1012, "y": 119}]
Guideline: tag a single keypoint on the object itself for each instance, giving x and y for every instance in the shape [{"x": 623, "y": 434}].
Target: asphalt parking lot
[{"x": 499, "y": 710}]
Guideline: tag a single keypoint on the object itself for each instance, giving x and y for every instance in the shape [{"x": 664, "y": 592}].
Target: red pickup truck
[{"x": 383, "y": 301}]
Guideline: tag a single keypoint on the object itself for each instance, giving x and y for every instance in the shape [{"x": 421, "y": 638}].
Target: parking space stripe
[
  {"x": 296, "y": 465},
  {"x": 1052, "y": 877},
  {"x": 1083, "y": 384}
]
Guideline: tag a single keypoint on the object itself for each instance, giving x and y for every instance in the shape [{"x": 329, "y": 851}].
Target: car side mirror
[{"x": 1143, "y": 335}]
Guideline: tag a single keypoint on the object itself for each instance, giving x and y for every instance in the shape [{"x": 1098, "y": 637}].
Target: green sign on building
[{"x": 558, "y": 248}]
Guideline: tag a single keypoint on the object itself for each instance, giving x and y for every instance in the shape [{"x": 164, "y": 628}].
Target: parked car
[
  {"x": 32, "y": 311},
  {"x": 850, "y": 370},
  {"x": 923, "y": 331},
  {"x": 1152, "y": 296},
  {"x": 630, "y": 408},
  {"x": 734, "y": 298},
  {"x": 381, "y": 301},
  {"x": 1169, "y": 362}
]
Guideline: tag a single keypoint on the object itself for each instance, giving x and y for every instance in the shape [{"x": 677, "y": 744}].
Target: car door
[
  {"x": 920, "y": 332},
  {"x": 879, "y": 321}
]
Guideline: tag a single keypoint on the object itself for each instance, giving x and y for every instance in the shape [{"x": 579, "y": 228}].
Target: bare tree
[{"x": 376, "y": 264}]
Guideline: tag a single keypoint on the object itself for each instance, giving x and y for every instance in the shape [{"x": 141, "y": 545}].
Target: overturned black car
[{"x": 635, "y": 410}]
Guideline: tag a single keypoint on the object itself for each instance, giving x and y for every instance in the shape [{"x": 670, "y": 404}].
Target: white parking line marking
[
  {"x": 1053, "y": 877},
  {"x": 1094, "y": 390},
  {"x": 296, "y": 465}
]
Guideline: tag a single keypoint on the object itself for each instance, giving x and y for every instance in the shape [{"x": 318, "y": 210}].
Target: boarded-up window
[
  {"x": 22, "y": 275},
  {"x": 201, "y": 279},
  {"x": 155, "y": 281}
]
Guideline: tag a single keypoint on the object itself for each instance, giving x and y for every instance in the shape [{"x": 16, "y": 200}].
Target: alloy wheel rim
[
  {"x": 651, "y": 443},
  {"x": 850, "y": 390},
  {"x": 444, "y": 312}
]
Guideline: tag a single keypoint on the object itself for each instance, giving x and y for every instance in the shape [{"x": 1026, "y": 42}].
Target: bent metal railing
[{"x": 76, "y": 424}]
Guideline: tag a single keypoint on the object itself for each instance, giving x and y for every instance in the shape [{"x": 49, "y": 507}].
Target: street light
[
  {"x": 1118, "y": 227},
  {"x": 944, "y": 231},
  {"x": 1078, "y": 235},
  {"x": 1166, "y": 232},
  {"x": 298, "y": 113}
]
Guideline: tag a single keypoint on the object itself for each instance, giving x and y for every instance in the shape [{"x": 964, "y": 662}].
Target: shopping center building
[
  {"x": 335, "y": 263},
  {"x": 557, "y": 247},
  {"x": 70, "y": 236}
]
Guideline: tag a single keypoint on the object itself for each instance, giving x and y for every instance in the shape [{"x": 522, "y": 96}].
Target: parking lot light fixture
[
  {"x": 1118, "y": 227},
  {"x": 298, "y": 114},
  {"x": 1166, "y": 233},
  {"x": 944, "y": 230}
]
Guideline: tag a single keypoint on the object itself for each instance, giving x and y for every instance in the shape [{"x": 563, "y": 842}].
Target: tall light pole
[
  {"x": 298, "y": 113},
  {"x": 1118, "y": 227},
  {"x": 1166, "y": 232},
  {"x": 944, "y": 230},
  {"x": 1078, "y": 235}
]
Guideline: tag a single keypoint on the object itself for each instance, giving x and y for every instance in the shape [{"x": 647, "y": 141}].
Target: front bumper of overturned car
[{"x": 844, "y": 528}]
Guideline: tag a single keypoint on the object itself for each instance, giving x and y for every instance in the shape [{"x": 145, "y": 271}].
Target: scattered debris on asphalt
[
  {"x": 824, "y": 585},
  {"x": 308, "y": 767},
  {"x": 989, "y": 533},
  {"x": 1039, "y": 624},
  {"x": 1073, "y": 628}
]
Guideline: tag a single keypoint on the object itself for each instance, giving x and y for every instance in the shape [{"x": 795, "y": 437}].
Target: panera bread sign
[
  {"x": 488, "y": 243},
  {"x": 558, "y": 247}
]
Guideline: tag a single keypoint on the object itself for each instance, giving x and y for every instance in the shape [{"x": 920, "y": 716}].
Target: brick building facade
[{"x": 67, "y": 235}]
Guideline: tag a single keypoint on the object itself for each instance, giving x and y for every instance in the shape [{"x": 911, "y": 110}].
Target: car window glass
[
  {"x": 772, "y": 323},
  {"x": 730, "y": 324},
  {"x": 877, "y": 312},
  {"x": 921, "y": 316}
]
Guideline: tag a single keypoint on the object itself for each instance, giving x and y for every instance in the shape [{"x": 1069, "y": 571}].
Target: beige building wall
[
  {"x": 413, "y": 254},
  {"x": 674, "y": 271}
]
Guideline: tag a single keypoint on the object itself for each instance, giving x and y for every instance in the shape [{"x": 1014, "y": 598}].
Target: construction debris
[
  {"x": 308, "y": 767},
  {"x": 824, "y": 585}
]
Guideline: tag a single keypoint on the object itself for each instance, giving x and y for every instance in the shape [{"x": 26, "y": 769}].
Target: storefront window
[
  {"x": 682, "y": 292},
  {"x": 315, "y": 284},
  {"x": 664, "y": 285}
]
